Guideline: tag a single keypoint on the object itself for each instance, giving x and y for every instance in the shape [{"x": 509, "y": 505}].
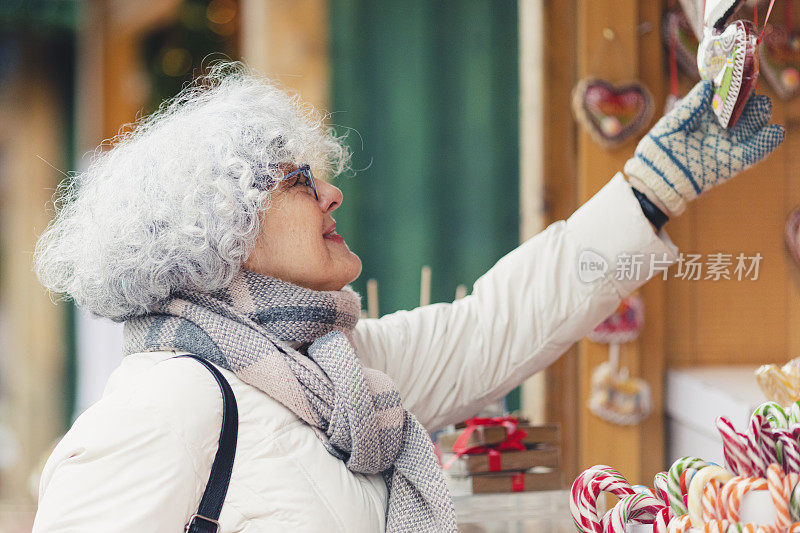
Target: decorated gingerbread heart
[
  {"x": 623, "y": 325},
  {"x": 779, "y": 55},
  {"x": 678, "y": 33},
  {"x": 730, "y": 59},
  {"x": 611, "y": 114}
]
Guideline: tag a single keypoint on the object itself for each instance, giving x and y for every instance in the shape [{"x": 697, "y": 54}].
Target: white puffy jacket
[{"x": 138, "y": 460}]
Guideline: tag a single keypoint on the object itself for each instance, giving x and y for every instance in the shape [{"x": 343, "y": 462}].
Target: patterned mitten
[{"x": 687, "y": 152}]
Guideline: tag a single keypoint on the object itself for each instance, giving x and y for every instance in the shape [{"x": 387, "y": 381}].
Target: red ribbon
[
  {"x": 518, "y": 482},
  {"x": 755, "y": 18},
  {"x": 513, "y": 440}
]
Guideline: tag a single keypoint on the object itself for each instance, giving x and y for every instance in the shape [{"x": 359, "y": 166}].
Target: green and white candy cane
[
  {"x": 794, "y": 413},
  {"x": 774, "y": 413},
  {"x": 794, "y": 503},
  {"x": 674, "y": 492},
  {"x": 687, "y": 152}
]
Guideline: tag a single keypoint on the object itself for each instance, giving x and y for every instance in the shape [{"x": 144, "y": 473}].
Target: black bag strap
[{"x": 205, "y": 520}]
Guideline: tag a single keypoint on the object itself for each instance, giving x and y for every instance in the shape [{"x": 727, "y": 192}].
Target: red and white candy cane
[
  {"x": 585, "y": 491},
  {"x": 734, "y": 448},
  {"x": 789, "y": 451},
  {"x": 660, "y": 486},
  {"x": 754, "y": 451},
  {"x": 762, "y": 430},
  {"x": 639, "y": 507},
  {"x": 661, "y": 522}
]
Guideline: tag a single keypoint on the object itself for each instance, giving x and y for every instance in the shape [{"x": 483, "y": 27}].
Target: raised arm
[{"x": 449, "y": 359}]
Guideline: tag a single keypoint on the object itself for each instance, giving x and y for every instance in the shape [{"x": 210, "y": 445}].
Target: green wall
[{"x": 430, "y": 90}]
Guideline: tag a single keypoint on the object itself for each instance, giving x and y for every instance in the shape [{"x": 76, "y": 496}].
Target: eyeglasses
[{"x": 305, "y": 171}]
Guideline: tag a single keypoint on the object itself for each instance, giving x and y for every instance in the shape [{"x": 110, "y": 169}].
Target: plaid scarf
[{"x": 247, "y": 329}]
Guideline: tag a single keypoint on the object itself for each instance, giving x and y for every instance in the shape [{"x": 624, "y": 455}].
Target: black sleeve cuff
[{"x": 655, "y": 215}]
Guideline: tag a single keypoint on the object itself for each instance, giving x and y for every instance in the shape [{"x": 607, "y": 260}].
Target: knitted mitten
[{"x": 687, "y": 152}]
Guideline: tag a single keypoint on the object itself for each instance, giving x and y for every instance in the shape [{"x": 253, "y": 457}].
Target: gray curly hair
[{"x": 174, "y": 203}]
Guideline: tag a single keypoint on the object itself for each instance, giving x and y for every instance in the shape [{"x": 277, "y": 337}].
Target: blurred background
[
  {"x": 428, "y": 92},
  {"x": 459, "y": 116}
]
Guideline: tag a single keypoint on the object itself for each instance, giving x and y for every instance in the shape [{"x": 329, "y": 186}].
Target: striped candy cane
[
  {"x": 640, "y": 507},
  {"x": 585, "y": 491},
  {"x": 674, "y": 492},
  {"x": 709, "y": 500},
  {"x": 794, "y": 503},
  {"x": 696, "y": 489},
  {"x": 767, "y": 437},
  {"x": 774, "y": 414},
  {"x": 734, "y": 448},
  {"x": 716, "y": 526},
  {"x": 754, "y": 451},
  {"x": 660, "y": 482},
  {"x": 780, "y": 499},
  {"x": 680, "y": 524},
  {"x": 724, "y": 495},
  {"x": 738, "y": 488},
  {"x": 794, "y": 413},
  {"x": 789, "y": 452},
  {"x": 661, "y": 522}
]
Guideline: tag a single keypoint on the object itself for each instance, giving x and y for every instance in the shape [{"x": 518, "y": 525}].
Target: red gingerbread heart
[
  {"x": 611, "y": 114},
  {"x": 730, "y": 59},
  {"x": 779, "y": 55}
]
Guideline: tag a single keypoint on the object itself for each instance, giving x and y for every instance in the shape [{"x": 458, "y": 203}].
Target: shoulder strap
[{"x": 207, "y": 516}]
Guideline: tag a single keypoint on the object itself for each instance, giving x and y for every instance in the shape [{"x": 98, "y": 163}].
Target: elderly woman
[{"x": 205, "y": 231}]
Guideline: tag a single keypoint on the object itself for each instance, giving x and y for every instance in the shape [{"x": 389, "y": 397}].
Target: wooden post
[
  {"x": 560, "y": 200},
  {"x": 531, "y": 143},
  {"x": 287, "y": 40},
  {"x": 609, "y": 46},
  {"x": 31, "y": 138}
]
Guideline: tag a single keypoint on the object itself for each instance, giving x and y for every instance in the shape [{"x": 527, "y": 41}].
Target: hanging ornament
[
  {"x": 779, "y": 55},
  {"x": 780, "y": 61},
  {"x": 681, "y": 41},
  {"x": 728, "y": 55},
  {"x": 693, "y": 9},
  {"x": 615, "y": 396},
  {"x": 791, "y": 235},
  {"x": 672, "y": 97},
  {"x": 609, "y": 113}
]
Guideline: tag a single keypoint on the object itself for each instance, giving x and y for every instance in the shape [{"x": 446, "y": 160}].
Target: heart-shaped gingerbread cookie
[
  {"x": 611, "y": 114},
  {"x": 779, "y": 55},
  {"x": 730, "y": 59}
]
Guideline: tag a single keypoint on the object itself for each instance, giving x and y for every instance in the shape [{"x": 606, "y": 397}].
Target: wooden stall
[{"x": 688, "y": 322}]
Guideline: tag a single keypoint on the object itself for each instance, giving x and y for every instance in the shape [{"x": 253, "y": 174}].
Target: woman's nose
[{"x": 330, "y": 197}]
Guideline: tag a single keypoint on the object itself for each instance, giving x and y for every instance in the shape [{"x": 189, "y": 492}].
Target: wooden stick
[
  {"x": 372, "y": 298},
  {"x": 461, "y": 291},
  {"x": 425, "y": 286}
]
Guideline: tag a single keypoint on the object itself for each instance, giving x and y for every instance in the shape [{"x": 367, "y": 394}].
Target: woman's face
[{"x": 296, "y": 243}]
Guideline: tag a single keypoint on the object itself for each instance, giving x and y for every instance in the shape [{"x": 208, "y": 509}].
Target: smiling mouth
[{"x": 331, "y": 235}]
